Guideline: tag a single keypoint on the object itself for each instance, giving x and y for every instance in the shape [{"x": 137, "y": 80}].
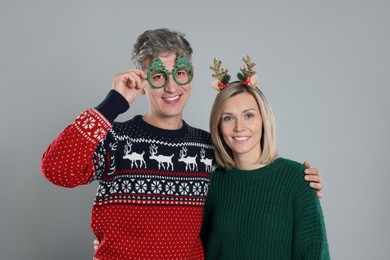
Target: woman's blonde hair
[{"x": 223, "y": 153}]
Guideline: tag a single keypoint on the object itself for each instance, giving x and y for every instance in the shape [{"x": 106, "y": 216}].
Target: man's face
[{"x": 167, "y": 102}]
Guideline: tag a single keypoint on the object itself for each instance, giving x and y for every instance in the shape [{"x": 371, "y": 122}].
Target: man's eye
[
  {"x": 181, "y": 73},
  {"x": 158, "y": 76}
]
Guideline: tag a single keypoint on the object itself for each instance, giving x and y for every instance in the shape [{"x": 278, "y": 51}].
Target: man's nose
[{"x": 171, "y": 85}]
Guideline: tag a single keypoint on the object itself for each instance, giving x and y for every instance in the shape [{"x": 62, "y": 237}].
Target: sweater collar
[{"x": 160, "y": 132}]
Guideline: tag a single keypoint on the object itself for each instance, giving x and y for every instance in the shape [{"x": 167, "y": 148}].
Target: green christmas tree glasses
[{"x": 158, "y": 75}]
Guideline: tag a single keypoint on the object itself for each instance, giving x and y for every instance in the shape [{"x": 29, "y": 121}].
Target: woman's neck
[{"x": 245, "y": 163}]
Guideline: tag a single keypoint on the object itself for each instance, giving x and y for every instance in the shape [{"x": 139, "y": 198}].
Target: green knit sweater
[{"x": 267, "y": 213}]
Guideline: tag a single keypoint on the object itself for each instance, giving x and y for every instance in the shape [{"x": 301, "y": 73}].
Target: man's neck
[{"x": 168, "y": 123}]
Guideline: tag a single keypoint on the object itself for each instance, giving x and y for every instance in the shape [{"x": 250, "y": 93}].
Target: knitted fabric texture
[
  {"x": 152, "y": 184},
  {"x": 268, "y": 213}
]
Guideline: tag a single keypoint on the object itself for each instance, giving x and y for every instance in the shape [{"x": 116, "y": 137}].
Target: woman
[{"x": 258, "y": 204}]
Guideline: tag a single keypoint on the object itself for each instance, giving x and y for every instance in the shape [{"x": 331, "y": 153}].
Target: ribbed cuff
[{"x": 113, "y": 105}]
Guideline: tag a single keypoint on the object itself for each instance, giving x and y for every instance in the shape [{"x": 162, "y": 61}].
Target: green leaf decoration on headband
[
  {"x": 240, "y": 76},
  {"x": 221, "y": 75},
  {"x": 247, "y": 76},
  {"x": 226, "y": 79}
]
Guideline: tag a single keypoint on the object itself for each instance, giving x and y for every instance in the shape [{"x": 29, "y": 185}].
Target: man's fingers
[
  {"x": 312, "y": 171},
  {"x": 136, "y": 79},
  {"x": 315, "y": 181},
  {"x": 307, "y": 164},
  {"x": 315, "y": 185},
  {"x": 141, "y": 83},
  {"x": 313, "y": 178}
]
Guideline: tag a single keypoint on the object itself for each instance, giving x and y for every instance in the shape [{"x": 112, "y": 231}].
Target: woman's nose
[{"x": 239, "y": 126}]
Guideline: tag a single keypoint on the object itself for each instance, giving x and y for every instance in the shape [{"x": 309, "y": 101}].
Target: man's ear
[{"x": 193, "y": 76}]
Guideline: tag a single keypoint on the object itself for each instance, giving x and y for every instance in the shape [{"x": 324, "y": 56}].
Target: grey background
[{"x": 324, "y": 66}]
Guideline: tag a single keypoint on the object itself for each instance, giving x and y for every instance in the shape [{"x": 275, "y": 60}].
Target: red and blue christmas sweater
[{"x": 152, "y": 182}]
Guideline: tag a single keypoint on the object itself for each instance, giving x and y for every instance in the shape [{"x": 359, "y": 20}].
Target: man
[{"x": 153, "y": 170}]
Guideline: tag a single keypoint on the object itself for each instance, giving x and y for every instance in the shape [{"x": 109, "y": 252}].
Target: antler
[
  {"x": 220, "y": 72},
  {"x": 247, "y": 68},
  {"x": 202, "y": 153},
  {"x": 153, "y": 149},
  {"x": 183, "y": 152}
]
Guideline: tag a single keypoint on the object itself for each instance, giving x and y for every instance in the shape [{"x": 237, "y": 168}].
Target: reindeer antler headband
[{"x": 247, "y": 76}]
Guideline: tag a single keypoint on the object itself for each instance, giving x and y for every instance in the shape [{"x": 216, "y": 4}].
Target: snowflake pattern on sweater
[
  {"x": 169, "y": 169},
  {"x": 152, "y": 184}
]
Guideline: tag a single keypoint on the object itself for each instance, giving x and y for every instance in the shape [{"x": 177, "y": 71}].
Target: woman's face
[{"x": 241, "y": 126}]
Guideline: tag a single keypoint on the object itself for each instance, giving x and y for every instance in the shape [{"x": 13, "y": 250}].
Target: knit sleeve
[
  {"x": 310, "y": 240},
  {"x": 69, "y": 159},
  {"x": 113, "y": 105}
]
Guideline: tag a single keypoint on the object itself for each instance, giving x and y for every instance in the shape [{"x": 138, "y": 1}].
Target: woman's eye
[
  {"x": 250, "y": 115},
  {"x": 227, "y": 118}
]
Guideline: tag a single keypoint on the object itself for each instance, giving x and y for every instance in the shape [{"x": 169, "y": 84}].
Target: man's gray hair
[{"x": 159, "y": 40}]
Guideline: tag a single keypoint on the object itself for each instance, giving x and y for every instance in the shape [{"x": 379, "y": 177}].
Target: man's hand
[
  {"x": 313, "y": 175},
  {"x": 130, "y": 83}
]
